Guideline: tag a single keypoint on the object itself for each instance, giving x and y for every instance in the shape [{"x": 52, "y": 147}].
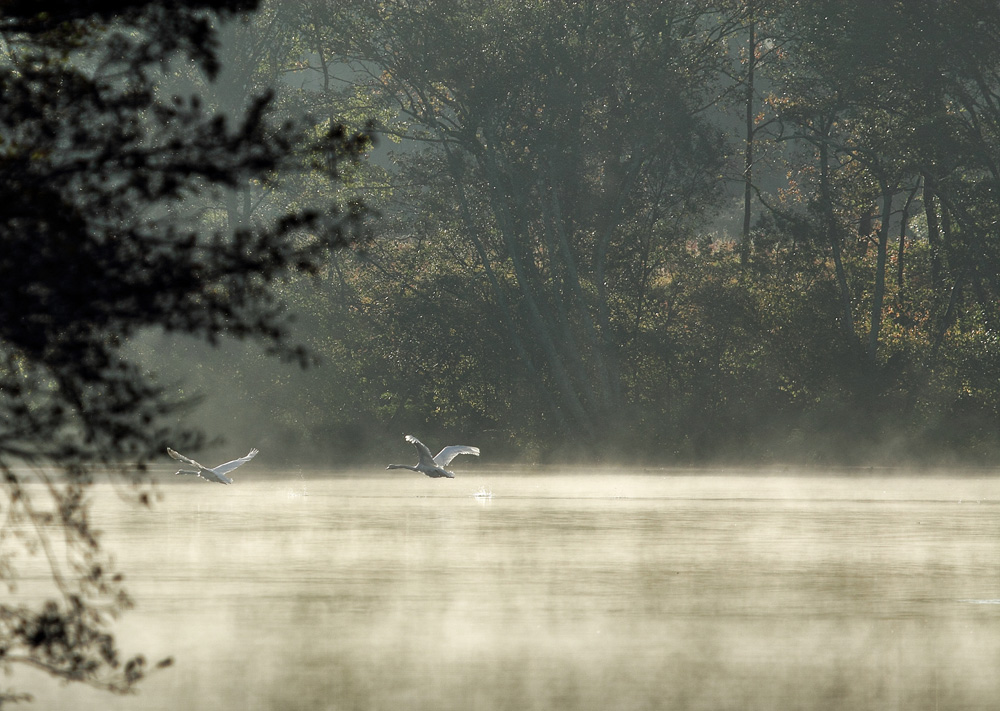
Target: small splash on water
[
  {"x": 301, "y": 491},
  {"x": 484, "y": 492}
]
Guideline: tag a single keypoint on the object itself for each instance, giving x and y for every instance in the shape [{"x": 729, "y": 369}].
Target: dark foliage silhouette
[{"x": 95, "y": 162}]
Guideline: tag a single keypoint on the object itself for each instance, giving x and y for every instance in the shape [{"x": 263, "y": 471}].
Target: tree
[
  {"x": 565, "y": 137},
  {"x": 891, "y": 116},
  {"x": 553, "y": 266},
  {"x": 95, "y": 165}
]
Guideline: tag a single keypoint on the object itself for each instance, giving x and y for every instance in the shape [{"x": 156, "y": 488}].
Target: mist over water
[{"x": 569, "y": 590}]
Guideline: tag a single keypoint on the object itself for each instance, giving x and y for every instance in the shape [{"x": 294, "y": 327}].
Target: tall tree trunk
[
  {"x": 629, "y": 173},
  {"x": 933, "y": 229},
  {"x": 878, "y": 294},
  {"x": 506, "y": 314},
  {"x": 833, "y": 239},
  {"x": 572, "y": 280},
  {"x": 536, "y": 321},
  {"x": 904, "y": 224},
  {"x": 749, "y": 136},
  {"x": 951, "y": 312},
  {"x": 545, "y": 275},
  {"x": 235, "y": 216}
]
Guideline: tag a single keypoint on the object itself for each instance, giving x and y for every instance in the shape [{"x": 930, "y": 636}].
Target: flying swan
[
  {"x": 434, "y": 466},
  {"x": 216, "y": 474}
]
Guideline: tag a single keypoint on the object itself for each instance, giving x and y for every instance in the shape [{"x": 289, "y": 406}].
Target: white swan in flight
[
  {"x": 216, "y": 474},
  {"x": 434, "y": 466}
]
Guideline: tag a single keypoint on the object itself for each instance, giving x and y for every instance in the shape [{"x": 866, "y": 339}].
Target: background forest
[{"x": 655, "y": 231}]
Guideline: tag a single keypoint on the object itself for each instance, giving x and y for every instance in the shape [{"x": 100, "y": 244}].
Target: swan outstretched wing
[
  {"x": 229, "y": 466},
  {"x": 445, "y": 456},
  {"x": 182, "y": 458},
  {"x": 423, "y": 454}
]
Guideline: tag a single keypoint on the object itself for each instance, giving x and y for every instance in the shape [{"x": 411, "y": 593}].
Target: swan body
[
  {"x": 216, "y": 474},
  {"x": 434, "y": 467}
]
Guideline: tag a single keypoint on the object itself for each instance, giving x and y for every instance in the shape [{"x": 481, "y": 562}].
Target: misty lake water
[{"x": 566, "y": 590}]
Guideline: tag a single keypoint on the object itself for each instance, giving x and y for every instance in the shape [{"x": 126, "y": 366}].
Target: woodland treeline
[{"x": 661, "y": 230}]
